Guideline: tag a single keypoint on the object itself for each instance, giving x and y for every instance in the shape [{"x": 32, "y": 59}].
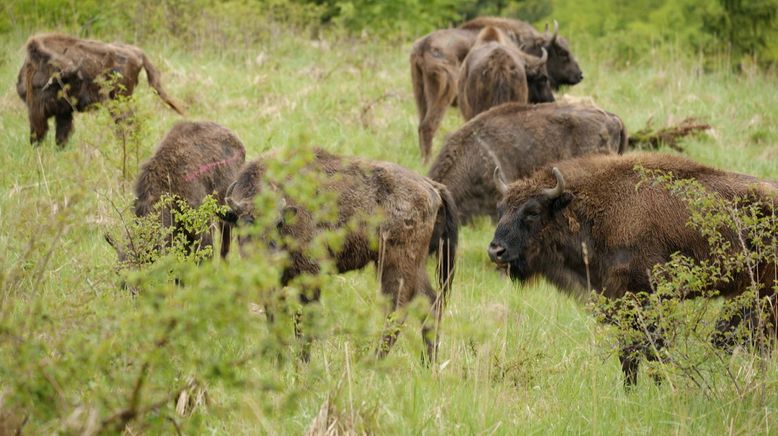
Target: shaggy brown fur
[
  {"x": 418, "y": 217},
  {"x": 562, "y": 67},
  {"x": 496, "y": 72},
  {"x": 436, "y": 59},
  {"x": 435, "y": 62},
  {"x": 62, "y": 75},
  {"x": 626, "y": 231},
  {"x": 519, "y": 139},
  {"x": 195, "y": 159}
]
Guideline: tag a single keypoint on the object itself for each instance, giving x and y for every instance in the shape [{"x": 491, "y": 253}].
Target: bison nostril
[{"x": 496, "y": 251}]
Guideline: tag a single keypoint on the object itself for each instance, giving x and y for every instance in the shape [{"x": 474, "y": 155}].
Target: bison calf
[
  {"x": 63, "y": 74},
  {"x": 519, "y": 139},
  {"x": 417, "y": 217},
  {"x": 496, "y": 71},
  {"x": 584, "y": 224},
  {"x": 194, "y": 160}
]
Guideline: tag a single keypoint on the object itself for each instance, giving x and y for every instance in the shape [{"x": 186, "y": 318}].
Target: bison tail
[
  {"x": 444, "y": 241},
  {"x": 153, "y": 75},
  {"x": 624, "y": 139},
  {"x": 417, "y": 80}
]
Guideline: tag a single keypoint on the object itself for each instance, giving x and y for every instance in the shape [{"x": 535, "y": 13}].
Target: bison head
[
  {"x": 537, "y": 78},
  {"x": 562, "y": 67},
  {"x": 243, "y": 212},
  {"x": 524, "y": 219}
]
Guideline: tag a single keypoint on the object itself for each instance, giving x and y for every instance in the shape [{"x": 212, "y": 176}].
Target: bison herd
[{"x": 552, "y": 175}]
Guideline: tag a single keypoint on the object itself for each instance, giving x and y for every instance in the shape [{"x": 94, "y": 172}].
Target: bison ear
[{"x": 561, "y": 202}]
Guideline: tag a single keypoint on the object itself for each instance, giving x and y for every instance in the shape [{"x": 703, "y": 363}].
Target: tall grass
[{"x": 514, "y": 359}]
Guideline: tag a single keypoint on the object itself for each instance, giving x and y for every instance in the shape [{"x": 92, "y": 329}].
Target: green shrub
[{"x": 679, "y": 325}]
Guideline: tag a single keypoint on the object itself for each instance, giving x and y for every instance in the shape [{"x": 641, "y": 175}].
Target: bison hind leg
[
  {"x": 430, "y": 329},
  {"x": 64, "y": 130}
]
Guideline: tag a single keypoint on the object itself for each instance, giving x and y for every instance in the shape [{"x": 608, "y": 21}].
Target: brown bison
[
  {"x": 548, "y": 218},
  {"x": 63, "y": 74},
  {"x": 562, "y": 67},
  {"x": 519, "y": 139},
  {"x": 436, "y": 59},
  {"x": 435, "y": 63},
  {"x": 496, "y": 72},
  {"x": 195, "y": 159},
  {"x": 417, "y": 217}
]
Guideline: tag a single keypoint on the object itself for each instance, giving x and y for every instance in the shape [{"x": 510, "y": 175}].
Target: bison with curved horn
[
  {"x": 437, "y": 57},
  {"x": 194, "y": 160},
  {"x": 519, "y": 139},
  {"x": 416, "y": 215},
  {"x": 584, "y": 224}
]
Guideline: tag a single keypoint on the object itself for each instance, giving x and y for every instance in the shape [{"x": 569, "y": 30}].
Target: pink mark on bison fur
[{"x": 206, "y": 168}]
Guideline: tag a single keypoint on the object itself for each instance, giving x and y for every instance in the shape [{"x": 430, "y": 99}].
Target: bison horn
[
  {"x": 541, "y": 60},
  {"x": 499, "y": 181},
  {"x": 556, "y": 32},
  {"x": 228, "y": 193},
  {"x": 557, "y": 190}
]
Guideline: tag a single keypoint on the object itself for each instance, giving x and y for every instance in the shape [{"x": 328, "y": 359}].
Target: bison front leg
[
  {"x": 630, "y": 362},
  {"x": 64, "y": 127},
  {"x": 226, "y": 238},
  {"x": 39, "y": 124}
]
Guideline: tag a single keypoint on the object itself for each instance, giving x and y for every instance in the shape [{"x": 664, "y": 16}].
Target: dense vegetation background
[
  {"x": 80, "y": 354},
  {"x": 742, "y": 31}
]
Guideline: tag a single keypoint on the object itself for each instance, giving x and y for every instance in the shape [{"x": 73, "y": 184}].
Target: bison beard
[
  {"x": 62, "y": 74},
  {"x": 542, "y": 231}
]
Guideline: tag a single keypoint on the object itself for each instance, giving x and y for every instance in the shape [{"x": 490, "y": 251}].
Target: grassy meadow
[{"x": 514, "y": 359}]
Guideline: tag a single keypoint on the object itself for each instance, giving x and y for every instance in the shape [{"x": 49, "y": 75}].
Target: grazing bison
[
  {"x": 496, "y": 72},
  {"x": 519, "y": 139},
  {"x": 435, "y": 63},
  {"x": 417, "y": 217},
  {"x": 436, "y": 59},
  {"x": 562, "y": 67},
  {"x": 548, "y": 218},
  {"x": 195, "y": 159},
  {"x": 63, "y": 74}
]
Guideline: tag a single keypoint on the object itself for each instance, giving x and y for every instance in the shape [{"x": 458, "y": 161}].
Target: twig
[{"x": 669, "y": 136}]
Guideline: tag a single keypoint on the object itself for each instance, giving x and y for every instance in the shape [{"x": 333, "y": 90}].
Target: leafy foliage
[{"x": 688, "y": 341}]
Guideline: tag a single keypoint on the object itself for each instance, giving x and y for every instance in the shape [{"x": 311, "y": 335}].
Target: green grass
[{"x": 515, "y": 359}]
